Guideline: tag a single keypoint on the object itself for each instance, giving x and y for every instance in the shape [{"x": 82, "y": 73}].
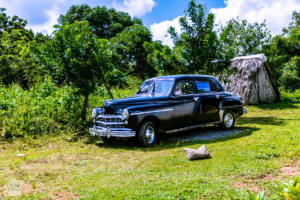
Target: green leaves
[
  {"x": 240, "y": 38},
  {"x": 196, "y": 47}
]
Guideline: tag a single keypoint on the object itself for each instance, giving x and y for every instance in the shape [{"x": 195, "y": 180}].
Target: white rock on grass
[{"x": 200, "y": 153}]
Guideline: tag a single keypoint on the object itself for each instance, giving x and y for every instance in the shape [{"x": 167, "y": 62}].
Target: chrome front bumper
[{"x": 111, "y": 132}]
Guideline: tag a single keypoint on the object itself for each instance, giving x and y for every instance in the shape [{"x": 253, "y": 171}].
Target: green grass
[{"x": 88, "y": 169}]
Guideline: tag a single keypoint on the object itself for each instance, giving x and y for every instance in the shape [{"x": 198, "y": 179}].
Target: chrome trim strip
[
  {"x": 232, "y": 106},
  {"x": 154, "y": 111},
  {"x": 109, "y": 116},
  {"x": 112, "y": 132},
  {"x": 191, "y": 127},
  {"x": 110, "y": 123}
]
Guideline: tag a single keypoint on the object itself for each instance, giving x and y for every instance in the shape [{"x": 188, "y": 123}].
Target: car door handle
[{"x": 196, "y": 98}]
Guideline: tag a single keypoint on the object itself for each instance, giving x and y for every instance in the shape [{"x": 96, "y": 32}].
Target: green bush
[
  {"x": 290, "y": 77},
  {"x": 44, "y": 109},
  {"x": 48, "y": 109}
]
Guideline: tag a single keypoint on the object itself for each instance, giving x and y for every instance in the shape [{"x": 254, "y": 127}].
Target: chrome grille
[{"x": 111, "y": 121}]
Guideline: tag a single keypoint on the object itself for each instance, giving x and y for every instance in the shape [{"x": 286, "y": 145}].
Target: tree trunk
[
  {"x": 85, "y": 103},
  {"x": 108, "y": 90}
]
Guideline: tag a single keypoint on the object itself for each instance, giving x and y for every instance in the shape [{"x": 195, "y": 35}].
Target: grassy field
[{"x": 261, "y": 157}]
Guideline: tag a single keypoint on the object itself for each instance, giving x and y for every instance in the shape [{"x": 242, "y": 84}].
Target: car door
[
  {"x": 184, "y": 104},
  {"x": 208, "y": 101}
]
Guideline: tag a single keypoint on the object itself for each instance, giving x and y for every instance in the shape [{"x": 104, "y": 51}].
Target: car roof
[{"x": 175, "y": 77}]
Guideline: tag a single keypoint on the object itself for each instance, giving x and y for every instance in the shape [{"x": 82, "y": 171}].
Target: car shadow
[
  {"x": 205, "y": 135},
  {"x": 287, "y": 104},
  {"x": 269, "y": 120}
]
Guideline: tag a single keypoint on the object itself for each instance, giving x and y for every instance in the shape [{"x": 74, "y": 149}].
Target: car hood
[{"x": 126, "y": 102}]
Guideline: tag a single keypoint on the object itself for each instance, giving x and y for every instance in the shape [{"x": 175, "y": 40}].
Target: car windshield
[{"x": 160, "y": 87}]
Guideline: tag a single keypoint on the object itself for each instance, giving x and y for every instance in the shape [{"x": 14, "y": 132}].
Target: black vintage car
[{"x": 167, "y": 104}]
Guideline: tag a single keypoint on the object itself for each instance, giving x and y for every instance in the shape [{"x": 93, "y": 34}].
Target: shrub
[{"x": 44, "y": 109}]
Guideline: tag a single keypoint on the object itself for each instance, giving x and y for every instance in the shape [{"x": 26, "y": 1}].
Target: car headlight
[
  {"x": 94, "y": 113},
  {"x": 125, "y": 114}
]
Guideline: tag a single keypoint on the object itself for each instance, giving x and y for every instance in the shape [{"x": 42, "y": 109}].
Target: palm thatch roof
[{"x": 253, "y": 81}]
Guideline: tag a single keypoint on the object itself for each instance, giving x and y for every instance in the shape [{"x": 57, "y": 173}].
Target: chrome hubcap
[
  {"x": 228, "y": 120},
  {"x": 149, "y": 134}
]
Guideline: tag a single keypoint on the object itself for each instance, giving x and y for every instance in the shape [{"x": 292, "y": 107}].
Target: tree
[
  {"x": 197, "y": 45},
  {"x": 15, "y": 41},
  {"x": 240, "y": 38},
  {"x": 162, "y": 58},
  {"x": 75, "y": 56},
  {"x": 283, "y": 54},
  {"x": 105, "y": 23},
  {"x": 132, "y": 49}
]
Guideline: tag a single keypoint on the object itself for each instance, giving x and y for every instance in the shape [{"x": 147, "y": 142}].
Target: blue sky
[{"x": 158, "y": 15}]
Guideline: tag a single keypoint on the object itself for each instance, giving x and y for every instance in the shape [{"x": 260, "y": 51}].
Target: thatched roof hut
[{"x": 253, "y": 81}]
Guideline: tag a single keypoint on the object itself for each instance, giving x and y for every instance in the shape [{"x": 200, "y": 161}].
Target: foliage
[
  {"x": 105, "y": 23},
  {"x": 260, "y": 196},
  {"x": 17, "y": 65},
  {"x": 291, "y": 190},
  {"x": 240, "y": 38},
  {"x": 44, "y": 109},
  {"x": 283, "y": 55},
  {"x": 131, "y": 47},
  {"x": 75, "y": 56},
  {"x": 290, "y": 77},
  {"x": 197, "y": 46}
]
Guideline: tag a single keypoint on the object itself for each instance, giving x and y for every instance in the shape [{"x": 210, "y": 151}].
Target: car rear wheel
[
  {"x": 228, "y": 120},
  {"x": 147, "y": 134}
]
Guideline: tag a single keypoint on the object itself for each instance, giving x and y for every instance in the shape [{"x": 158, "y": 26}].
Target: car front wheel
[
  {"x": 228, "y": 120},
  {"x": 147, "y": 134}
]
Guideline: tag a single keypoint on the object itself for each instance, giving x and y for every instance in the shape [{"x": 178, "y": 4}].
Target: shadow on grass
[
  {"x": 169, "y": 141},
  {"x": 262, "y": 120},
  {"x": 288, "y": 104}
]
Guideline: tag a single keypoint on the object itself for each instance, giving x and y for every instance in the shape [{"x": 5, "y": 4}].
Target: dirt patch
[
  {"x": 290, "y": 171},
  {"x": 27, "y": 188},
  {"x": 64, "y": 195},
  {"x": 284, "y": 173}
]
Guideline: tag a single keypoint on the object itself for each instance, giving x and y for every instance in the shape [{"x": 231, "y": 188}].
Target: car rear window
[{"x": 203, "y": 86}]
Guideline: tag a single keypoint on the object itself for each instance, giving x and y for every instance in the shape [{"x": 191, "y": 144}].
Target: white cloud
[
  {"x": 135, "y": 8},
  {"x": 47, "y": 27},
  {"x": 277, "y": 13},
  {"x": 42, "y": 15},
  {"x": 160, "y": 30}
]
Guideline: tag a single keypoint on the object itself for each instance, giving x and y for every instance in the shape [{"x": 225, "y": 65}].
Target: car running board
[{"x": 191, "y": 127}]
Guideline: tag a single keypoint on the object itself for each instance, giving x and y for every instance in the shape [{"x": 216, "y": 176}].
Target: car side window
[
  {"x": 218, "y": 86},
  {"x": 184, "y": 87},
  {"x": 203, "y": 86}
]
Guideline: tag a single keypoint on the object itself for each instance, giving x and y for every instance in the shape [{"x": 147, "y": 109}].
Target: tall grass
[
  {"x": 47, "y": 108},
  {"x": 44, "y": 109}
]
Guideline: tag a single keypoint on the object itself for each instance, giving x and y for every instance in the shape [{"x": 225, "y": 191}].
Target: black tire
[
  {"x": 147, "y": 134},
  {"x": 228, "y": 120}
]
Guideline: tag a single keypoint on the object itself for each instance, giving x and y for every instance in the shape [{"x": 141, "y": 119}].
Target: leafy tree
[
  {"x": 283, "y": 54},
  {"x": 197, "y": 45},
  {"x": 162, "y": 58},
  {"x": 75, "y": 56},
  {"x": 131, "y": 50},
  {"x": 15, "y": 64},
  {"x": 105, "y": 23},
  {"x": 239, "y": 37}
]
